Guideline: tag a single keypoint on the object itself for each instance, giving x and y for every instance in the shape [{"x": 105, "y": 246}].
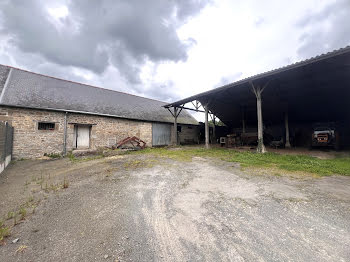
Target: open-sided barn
[
  {"x": 303, "y": 104},
  {"x": 51, "y": 115}
]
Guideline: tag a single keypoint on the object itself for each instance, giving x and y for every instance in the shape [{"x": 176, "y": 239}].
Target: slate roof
[{"x": 30, "y": 90}]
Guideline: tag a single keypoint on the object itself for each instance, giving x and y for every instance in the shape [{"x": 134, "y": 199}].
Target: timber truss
[{"x": 197, "y": 107}]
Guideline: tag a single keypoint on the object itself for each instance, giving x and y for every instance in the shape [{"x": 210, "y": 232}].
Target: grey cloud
[
  {"x": 330, "y": 29},
  {"x": 161, "y": 91},
  {"x": 98, "y": 33},
  {"x": 27, "y": 23}
]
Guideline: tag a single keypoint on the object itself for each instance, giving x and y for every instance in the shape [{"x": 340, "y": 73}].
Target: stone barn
[{"x": 55, "y": 116}]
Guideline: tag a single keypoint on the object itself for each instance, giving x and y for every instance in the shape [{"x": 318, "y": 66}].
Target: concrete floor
[{"x": 141, "y": 208}]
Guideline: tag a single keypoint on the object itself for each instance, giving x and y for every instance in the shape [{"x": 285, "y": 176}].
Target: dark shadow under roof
[
  {"x": 311, "y": 90},
  {"x": 20, "y": 88}
]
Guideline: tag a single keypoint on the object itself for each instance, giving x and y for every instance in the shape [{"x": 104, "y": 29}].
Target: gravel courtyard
[{"x": 147, "y": 208}]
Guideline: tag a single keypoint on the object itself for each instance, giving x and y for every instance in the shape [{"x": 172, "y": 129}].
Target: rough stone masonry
[{"x": 30, "y": 142}]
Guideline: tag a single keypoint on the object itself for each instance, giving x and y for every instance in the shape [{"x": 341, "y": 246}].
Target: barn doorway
[{"x": 82, "y": 136}]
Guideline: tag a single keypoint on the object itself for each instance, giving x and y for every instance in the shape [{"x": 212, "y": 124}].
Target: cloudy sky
[{"x": 170, "y": 49}]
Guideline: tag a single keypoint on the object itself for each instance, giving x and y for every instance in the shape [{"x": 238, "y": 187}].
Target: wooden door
[{"x": 83, "y": 136}]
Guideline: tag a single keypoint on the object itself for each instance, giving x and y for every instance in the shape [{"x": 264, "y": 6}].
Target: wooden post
[
  {"x": 261, "y": 146},
  {"x": 243, "y": 120},
  {"x": 206, "y": 128},
  {"x": 175, "y": 127},
  {"x": 286, "y": 122},
  {"x": 258, "y": 91},
  {"x": 214, "y": 134}
]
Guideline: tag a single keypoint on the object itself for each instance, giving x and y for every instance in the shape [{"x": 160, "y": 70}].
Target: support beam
[
  {"x": 175, "y": 127},
  {"x": 286, "y": 122},
  {"x": 206, "y": 128},
  {"x": 261, "y": 146},
  {"x": 258, "y": 91},
  {"x": 192, "y": 109},
  {"x": 214, "y": 134},
  {"x": 243, "y": 120}
]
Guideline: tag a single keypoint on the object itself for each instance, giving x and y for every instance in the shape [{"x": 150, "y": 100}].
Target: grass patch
[
  {"x": 53, "y": 155},
  {"x": 303, "y": 163},
  {"x": 134, "y": 164},
  {"x": 75, "y": 159}
]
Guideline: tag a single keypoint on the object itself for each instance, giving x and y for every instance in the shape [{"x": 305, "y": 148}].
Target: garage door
[{"x": 161, "y": 134}]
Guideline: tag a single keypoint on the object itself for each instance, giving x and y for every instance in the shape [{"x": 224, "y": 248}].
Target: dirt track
[{"x": 175, "y": 211}]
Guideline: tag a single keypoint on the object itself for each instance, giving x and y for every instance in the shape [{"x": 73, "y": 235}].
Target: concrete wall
[{"x": 29, "y": 142}]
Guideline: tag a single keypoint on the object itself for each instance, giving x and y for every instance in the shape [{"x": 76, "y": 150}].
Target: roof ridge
[
  {"x": 87, "y": 85},
  {"x": 267, "y": 73}
]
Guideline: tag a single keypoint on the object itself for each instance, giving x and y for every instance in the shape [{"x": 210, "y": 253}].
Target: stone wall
[
  {"x": 106, "y": 131},
  {"x": 189, "y": 134},
  {"x": 29, "y": 142}
]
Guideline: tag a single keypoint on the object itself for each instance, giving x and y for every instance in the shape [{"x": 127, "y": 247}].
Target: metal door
[
  {"x": 83, "y": 136},
  {"x": 161, "y": 134}
]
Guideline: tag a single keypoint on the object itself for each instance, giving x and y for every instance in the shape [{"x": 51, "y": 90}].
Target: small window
[
  {"x": 179, "y": 129},
  {"x": 46, "y": 126},
  {"x": 190, "y": 127}
]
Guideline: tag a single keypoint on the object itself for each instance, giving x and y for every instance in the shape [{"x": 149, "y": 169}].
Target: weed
[
  {"x": 10, "y": 215},
  {"x": 51, "y": 187},
  {"x": 23, "y": 213},
  {"x": 85, "y": 159},
  {"x": 53, "y": 155},
  {"x": 133, "y": 164},
  {"x": 75, "y": 159},
  {"x": 4, "y": 231},
  {"x": 65, "y": 183},
  {"x": 71, "y": 157}
]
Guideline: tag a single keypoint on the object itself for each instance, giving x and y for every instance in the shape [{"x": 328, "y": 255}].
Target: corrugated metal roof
[
  {"x": 31, "y": 90},
  {"x": 264, "y": 75}
]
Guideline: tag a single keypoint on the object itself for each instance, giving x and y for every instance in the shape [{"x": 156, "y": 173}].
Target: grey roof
[{"x": 31, "y": 90}]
